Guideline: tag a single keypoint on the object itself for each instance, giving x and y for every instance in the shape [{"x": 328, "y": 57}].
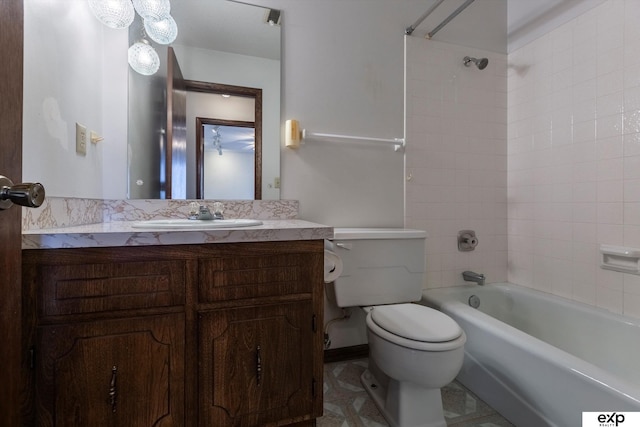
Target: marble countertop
[{"x": 122, "y": 233}]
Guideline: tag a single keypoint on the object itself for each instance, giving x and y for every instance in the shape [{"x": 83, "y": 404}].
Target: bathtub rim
[
  {"x": 512, "y": 287},
  {"x": 558, "y": 357}
]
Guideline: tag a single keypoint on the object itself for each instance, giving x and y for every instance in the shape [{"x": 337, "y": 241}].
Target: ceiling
[
  {"x": 529, "y": 19},
  {"x": 494, "y": 25},
  {"x": 226, "y": 26},
  {"x": 498, "y": 25}
]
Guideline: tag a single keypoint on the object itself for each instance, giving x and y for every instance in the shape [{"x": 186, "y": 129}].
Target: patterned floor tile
[{"x": 347, "y": 404}]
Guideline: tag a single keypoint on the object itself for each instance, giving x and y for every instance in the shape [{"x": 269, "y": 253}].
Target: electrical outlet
[
  {"x": 81, "y": 139},
  {"x": 276, "y": 182}
]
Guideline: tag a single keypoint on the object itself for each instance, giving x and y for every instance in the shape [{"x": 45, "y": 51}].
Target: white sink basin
[{"x": 196, "y": 224}]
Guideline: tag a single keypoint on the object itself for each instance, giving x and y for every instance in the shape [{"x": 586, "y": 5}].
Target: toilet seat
[{"x": 415, "y": 326}]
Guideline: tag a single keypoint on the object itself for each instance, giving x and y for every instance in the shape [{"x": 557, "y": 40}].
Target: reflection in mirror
[
  {"x": 203, "y": 58},
  {"x": 227, "y": 158},
  {"x": 225, "y": 105},
  {"x": 76, "y": 71}
]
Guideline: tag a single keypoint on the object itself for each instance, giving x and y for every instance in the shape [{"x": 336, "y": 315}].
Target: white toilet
[{"x": 413, "y": 350}]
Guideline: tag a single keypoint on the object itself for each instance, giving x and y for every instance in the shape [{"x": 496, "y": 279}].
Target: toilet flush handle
[{"x": 346, "y": 246}]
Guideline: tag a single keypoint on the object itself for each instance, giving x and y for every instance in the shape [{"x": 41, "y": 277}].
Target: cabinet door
[
  {"x": 256, "y": 365},
  {"x": 125, "y": 372}
]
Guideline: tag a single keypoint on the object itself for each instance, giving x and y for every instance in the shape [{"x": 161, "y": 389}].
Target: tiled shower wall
[
  {"x": 457, "y": 158},
  {"x": 574, "y": 156}
]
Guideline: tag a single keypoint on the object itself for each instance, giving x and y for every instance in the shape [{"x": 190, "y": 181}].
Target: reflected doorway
[
  {"x": 227, "y": 159},
  {"x": 235, "y": 114}
]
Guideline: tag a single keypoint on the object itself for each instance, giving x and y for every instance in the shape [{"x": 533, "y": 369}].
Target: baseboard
[{"x": 346, "y": 353}]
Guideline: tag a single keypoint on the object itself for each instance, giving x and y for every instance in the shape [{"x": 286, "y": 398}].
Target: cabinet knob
[
  {"x": 258, "y": 366},
  {"x": 112, "y": 389}
]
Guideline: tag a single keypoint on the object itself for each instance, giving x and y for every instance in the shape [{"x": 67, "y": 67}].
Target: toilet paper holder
[{"x": 467, "y": 240}]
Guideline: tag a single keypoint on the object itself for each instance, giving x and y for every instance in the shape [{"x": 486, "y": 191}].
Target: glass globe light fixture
[
  {"x": 113, "y": 13},
  {"x": 163, "y": 31},
  {"x": 143, "y": 58},
  {"x": 152, "y": 9}
]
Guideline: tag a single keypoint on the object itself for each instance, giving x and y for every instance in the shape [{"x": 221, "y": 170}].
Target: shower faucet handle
[{"x": 467, "y": 240}]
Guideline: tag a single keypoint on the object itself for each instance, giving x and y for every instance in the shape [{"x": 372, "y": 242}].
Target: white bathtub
[{"x": 541, "y": 360}]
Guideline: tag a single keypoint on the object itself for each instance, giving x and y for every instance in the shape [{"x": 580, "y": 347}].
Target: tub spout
[{"x": 470, "y": 276}]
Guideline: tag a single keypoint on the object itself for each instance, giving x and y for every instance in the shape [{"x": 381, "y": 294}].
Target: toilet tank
[{"x": 380, "y": 266}]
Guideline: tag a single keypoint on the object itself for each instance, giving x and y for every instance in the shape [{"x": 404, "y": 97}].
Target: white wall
[
  {"x": 457, "y": 158},
  {"x": 75, "y": 72},
  {"x": 574, "y": 156},
  {"x": 343, "y": 73},
  {"x": 221, "y": 171}
]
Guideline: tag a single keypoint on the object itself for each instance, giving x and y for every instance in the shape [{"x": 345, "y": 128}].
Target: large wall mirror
[
  {"x": 76, "y": 71},
  {"x": 222, "y": 44}
]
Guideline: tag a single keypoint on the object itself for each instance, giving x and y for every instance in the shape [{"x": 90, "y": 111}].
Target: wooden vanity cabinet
[
  {"x": 259, "y": 343},
  {"x": 104, "y": 337},
  {"x": 125, "y": 372},
  {"x": 186, "y": 335}
]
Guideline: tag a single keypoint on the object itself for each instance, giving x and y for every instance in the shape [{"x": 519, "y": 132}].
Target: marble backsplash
[{"x": 58, "y": 212}]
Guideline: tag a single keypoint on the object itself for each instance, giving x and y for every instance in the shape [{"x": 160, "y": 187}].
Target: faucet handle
[
  {"x": 194, "y": 207},
  {"x": 218, "y": 210},
  {"x": 467, "y": 240}
]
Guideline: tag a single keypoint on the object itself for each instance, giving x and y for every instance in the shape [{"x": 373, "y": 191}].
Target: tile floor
[{"x": 346, "y": 403}]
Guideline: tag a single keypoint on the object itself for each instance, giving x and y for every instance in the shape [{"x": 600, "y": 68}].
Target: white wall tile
[
  {"x": 610, "y": 213},
  {"x": 631, "y": 305},
  {"x": 598, "y": 124},
  {"x": 609, "y": 299},
  {"x": 566, "y": 180},
  {"x": 610, "y": 191},
  {"x": 460, "y": 171},
  {"x": 631, "y": 144}
]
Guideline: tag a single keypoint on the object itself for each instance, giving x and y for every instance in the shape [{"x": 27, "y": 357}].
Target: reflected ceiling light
[
  {"x": 158, "y": 24},
  {"x": 152, "y": 9},
  {"x": 163, "y": 31},
  {"x": 113, "y": 13},
  {"x": 143, "y": 58},
  {"x": 217, "y": 139}
]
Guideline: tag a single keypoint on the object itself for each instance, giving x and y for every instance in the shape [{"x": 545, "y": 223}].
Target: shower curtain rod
[
  {"x": 409, "y": 30},
  {"x": 448, "y": 19}
]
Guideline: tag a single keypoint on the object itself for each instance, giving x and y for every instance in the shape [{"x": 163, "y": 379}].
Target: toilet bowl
[{"x": 413, "y": 350}]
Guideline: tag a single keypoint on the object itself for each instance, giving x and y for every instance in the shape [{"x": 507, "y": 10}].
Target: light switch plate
[{"x": 81, "y": 139}]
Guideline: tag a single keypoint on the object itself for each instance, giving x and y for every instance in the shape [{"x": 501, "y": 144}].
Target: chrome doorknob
[{"x": 30, "y": 195}]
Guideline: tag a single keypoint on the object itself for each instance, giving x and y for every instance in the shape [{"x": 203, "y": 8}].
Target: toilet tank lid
[
  {"x": 377, "y": 233},
  {"x": 416, "y": 322}
]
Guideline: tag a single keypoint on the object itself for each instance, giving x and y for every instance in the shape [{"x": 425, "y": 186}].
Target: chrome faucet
[
  {"x": 203, "y": 214},
  {"x": 470, "y": 276}
]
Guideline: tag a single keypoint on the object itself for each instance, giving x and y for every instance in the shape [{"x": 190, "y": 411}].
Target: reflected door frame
[
  {"x": 247, "y": 92},
  {"x": 200, "y": 122}
]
